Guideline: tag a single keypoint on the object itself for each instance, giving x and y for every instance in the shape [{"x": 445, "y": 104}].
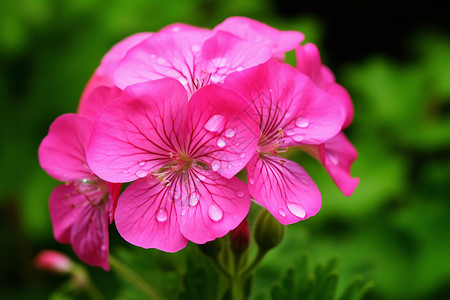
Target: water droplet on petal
[
  {"x": 126, "y": 171},
  {"x": 302, "y": 122},
  {"x": 221, "y": 142},
  {"x": 193, "y": 199},
  {"x": 176, "y": 195},
  {"x": 142, "y": 163},
  {"x": 215, "y": 165},
  {"x": 240, "y": 194},
  {"x": 161, "y": 215},
  {"x": 290, "y": 132},
  {"x": 297, "y": 210},
  {"x": 141, "y": 173},
  {"x": 195, "y": 48},
  {"x": 251, "y": 180},
  {"x": 229, "y": 133},
  {"x": 299, "y": 138},
  {"x": 242, "y": 155},
  {"x": 103, "y": 248},
  {"x": 184, "y": 211},
  {"x": 215, "y": 78},
  {"x": 282, "y": 212},
  {"x": 239, "y": 69},
  {"x": 182, "y": 80},
  {"x": 215, "y": 212},
  {"x": 288, "y": 115},
  {"x": 215, "y": 123}
]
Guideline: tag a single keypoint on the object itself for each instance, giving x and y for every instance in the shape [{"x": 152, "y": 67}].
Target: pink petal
[
  {"x": 165, "y": 54},
  {"x": 310, "y": 63},
  {"x": 214, "y": 205},
  {"x": 97, "y": 100},
  {"x": 103, "y": 74},
  {"x": 288, "y": 100},
  {"x": 145, "y": 217},
  {"x": 89, "y": 236},
  {"x": 114, "y": 192},
  {"x": 257, "y": 32},
  {"x": 222, "y": 131},
  {"x": 177, "y": 27},
  {"x": 283, "y": 188},
  {"x": 62, "y": 152},
  {"x": 136, "y": 133},
  {"x": 225, "y": 53},
  {"x": 337, "y": 155}
]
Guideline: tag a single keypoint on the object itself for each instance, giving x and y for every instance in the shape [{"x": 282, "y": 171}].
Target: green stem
[
  {"x": 259, "y": 256},
  {"x": 133, "y": 278},
  {"x": 93, "y": 292}
]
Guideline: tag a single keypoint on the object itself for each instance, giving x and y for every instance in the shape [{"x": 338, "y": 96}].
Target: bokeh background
[{"x": 393, "y": 57}]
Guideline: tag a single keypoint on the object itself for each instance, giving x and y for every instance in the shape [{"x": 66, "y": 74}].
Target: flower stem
[
  {"x": 249, "y": 269},
  {"x": 133, "y": 278}
]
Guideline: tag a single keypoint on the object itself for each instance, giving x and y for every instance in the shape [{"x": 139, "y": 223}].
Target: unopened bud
[
  {"x": 53, "y": 261},
  {"x": 240, "y": 238},
  {"x": 268, "y": 231}
]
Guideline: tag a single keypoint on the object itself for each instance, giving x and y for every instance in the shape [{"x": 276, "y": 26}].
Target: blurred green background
[{"x": 394, "y": 60}]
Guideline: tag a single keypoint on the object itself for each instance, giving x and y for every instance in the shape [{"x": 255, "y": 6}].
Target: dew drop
[
  {"x": 290, "y": 132},
  {"x": 215, "y": 78},
  {"x": 182, "y": 80},
  {"x": 221, "y": 143},
  {"x": 184, "y": 211},
  {"x": 302, "y": 122},
  {"x": 251, "y": 181},
  {"x": 240, "y": 194},
  {"x": 282, "y": 212},
  {"x": 229, "y": 133},
  {"x": 299, "y": 138},
  {"x": 126, "y": 171},
  {"x": 141, "y": 173},
  {"x": 195, "y": 48},
  {"x": 239, "y": 69},
  {"x": 297, "y": 210},
  {"x": 193, "y": 199},
  {"x": 242, "y": 155},
  {"x": 142, "y": 163},
  {"x": 161, "y": 215},
  {"x": 176, "y": 195},
  {"x": 215, "y": 212},
  {"x": 288, "y": 115},
  {"x": 215, "y": 165},
  {"x": 215, "y": 123}
]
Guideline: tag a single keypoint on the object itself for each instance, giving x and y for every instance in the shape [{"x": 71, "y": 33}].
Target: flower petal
[
  {"x": 257, "y": 32},
  {"x": 225, "y": 53},
  {"x": 97, "y": 100},
  {"x": 134, "y": 134},
  {"x": 62, "y": 152},
  {"x": 337, "y": 156},
  {"x": 310, "y": 63},
  {"x": 283, "y": 188},
  {"x": 287, "y": 99},
  {"x": 222, "y": 133},
  {"x": 145, "y": 217},
  {"x": 165, "y": 54},
  {"x": 212, "y": 206}
]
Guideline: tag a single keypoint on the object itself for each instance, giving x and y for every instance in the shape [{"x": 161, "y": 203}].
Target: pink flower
[
  {"x": 290, "y": 111},
  {"x": 80, "y": 208},
  {"x": 183, "y": 155},
  {"x": 337, "y": 154},
  {"x": 194, "y": 56},
  {"x": 54, "y": 261}
]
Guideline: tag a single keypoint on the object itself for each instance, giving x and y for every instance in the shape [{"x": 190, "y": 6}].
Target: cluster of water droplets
[{"x": 297, "y": 133}]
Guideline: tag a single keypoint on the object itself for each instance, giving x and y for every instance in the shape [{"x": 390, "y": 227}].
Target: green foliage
[{"x": 321, "y": 284}]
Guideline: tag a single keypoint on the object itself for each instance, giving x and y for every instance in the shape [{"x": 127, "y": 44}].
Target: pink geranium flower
[
  {"x": 337, "y": 154},
  {"x": 182, "y": 156},
  {"x": 80, "y": 208},
  {"x": 290, "y": 111}
]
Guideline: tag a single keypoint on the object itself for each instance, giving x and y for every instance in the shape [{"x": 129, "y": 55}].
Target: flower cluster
[{"x": 179, "y": 113}]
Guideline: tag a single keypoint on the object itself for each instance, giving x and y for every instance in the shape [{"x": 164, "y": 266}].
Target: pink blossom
[
  {"x": 182, "y": 156},
  {"x": 80, "y": 208},
  {"x": 290, "y": 111},
  {"x": 337, "y": 154},
  {"x": 194, "y": 56}
]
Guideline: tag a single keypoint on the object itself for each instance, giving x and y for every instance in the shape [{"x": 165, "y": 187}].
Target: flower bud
[
  {"x": 53, "y": 261},
  {"x": 268, "y": 231},
  {"x": 240, "y": 238}
]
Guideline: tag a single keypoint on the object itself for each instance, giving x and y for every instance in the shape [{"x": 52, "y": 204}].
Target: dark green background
[{"x": 393, "y": 58}]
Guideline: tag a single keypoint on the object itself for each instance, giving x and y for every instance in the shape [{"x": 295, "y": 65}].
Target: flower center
[
  {"x": 270, "y": 144},
  {"x": 94, "y": 190}
]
